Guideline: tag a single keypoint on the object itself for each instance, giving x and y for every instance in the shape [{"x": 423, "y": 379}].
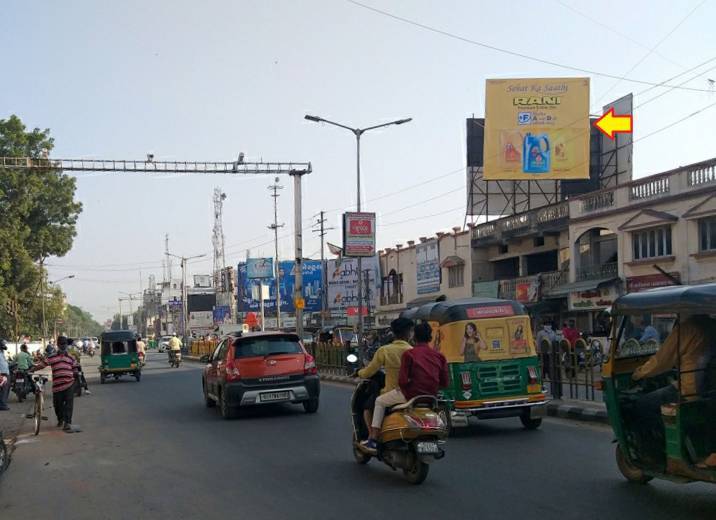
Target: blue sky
[{"x": 207, "y": 80}]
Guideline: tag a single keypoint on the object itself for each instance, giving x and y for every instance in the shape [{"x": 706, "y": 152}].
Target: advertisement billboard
[
  {"x": 342, "y": 288},
  {"x": 259, "y": 268},
  {"x": 536, "y": 129},
  {"x": 202, "y": 280},
  {"x": 427, "y": 264},
  {"x": 358, "y": 234},
  {"x": 311, "y": 288}
]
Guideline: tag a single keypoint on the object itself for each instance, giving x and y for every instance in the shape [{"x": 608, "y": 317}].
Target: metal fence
[
  {"x": 571, "y": 372},
  {"x": 330, "y": 359}
]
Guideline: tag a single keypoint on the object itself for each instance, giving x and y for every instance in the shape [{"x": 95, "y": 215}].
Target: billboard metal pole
[{"x": 298, "y": 267}]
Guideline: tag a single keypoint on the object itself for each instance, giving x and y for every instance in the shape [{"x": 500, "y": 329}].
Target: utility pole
[
  {"x": 275, "y": 227},
  {"x": 185, "y": 311},
  {"x": 298, "y": 244},
  {"x": 322, "y": 230}
]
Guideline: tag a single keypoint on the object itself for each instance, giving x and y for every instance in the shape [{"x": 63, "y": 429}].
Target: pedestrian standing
[
  {"x": 63, "y": 367},
  {"x": 4, "y": 377}
]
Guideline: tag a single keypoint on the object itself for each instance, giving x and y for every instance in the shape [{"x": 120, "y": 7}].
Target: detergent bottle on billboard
[{"x": 536, "y": 156}]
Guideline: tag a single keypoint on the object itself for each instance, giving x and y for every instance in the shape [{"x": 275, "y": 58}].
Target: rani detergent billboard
[
  {"x": 536, "y": 129},
  {"x": 311, "y": 288}
]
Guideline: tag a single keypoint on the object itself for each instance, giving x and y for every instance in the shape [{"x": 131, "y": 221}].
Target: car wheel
[
  {"x": 208, "y": 401},
  {"x": 311, "y": 406},
  {"x": 227, "y": 412}
]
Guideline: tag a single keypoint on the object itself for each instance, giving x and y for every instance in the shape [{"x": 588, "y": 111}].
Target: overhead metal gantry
[{"x": 238, "y": 167}]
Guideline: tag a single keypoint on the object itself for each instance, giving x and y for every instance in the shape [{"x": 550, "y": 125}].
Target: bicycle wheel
[{"x": 39, "y": 398}]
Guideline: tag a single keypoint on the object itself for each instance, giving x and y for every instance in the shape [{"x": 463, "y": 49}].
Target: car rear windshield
[{"x": 266, "y": 346}]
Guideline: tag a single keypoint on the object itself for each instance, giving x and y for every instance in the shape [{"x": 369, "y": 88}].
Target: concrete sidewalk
[{"x": 575, "y": 409}]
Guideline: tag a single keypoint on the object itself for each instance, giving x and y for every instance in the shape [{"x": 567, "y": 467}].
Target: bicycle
[
  {"x": 4, "y": 455},
  {"x": 39, "y": 391}
]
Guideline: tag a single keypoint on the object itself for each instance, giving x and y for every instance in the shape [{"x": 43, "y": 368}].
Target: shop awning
[
  {"x": 423, "y": 299},
  {"x": 452, "y": 261},
  {"x": 585, "y": 285}
]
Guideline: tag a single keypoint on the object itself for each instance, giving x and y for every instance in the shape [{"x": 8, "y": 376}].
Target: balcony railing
[
  {"x": 675, "y": 182},
  {"x": 597, "y": 272},
  {"x": 554, "y": 279},
  {"x": 533, "y": 220}
]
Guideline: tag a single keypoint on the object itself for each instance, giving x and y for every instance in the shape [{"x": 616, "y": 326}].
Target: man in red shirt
[
  {"x": 570, "y": 333},
  {"x": 423, "y": 370},
  {"x": 63, "y": 367}
]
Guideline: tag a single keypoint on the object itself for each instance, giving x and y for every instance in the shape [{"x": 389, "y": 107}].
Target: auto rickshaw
[
  {"x": 493, "y": 366},
  {"x": 119, "y": 355},
  {"x": 676, "y": 438}
]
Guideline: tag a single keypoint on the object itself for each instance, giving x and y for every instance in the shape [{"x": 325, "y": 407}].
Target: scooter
[{"x": 413, "y": 434}]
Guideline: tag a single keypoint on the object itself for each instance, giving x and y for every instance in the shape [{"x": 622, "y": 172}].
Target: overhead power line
[{"x": 513, "y": 53}]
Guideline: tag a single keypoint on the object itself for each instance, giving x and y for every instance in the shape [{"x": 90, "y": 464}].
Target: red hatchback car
[{"x": 260, "y": 368}]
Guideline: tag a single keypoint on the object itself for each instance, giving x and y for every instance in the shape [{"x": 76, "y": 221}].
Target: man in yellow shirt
[
  {"x": 690, "y": 346},
  {"x": 174, "y": 345},
  {"x": 387, "y": 357}
]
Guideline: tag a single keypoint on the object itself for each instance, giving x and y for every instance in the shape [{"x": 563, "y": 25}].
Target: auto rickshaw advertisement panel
[{"x": 488, "y": 339}]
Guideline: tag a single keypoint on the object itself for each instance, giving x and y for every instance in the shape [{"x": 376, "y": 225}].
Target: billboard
[
  {"x": 537, "y": 129},
  {"x": 342, "y": 288},
  {"x": 311, "y": 288},
  {"x": 358, "y": 234},
  {"x": 427, "y": 264},
  {"x": 202, "y": 280},
  {"x": 259, "y": 268}
]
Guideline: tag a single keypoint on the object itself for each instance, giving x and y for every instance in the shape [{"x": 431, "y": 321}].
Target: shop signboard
[
  {"x": 258, "y": 268},
  {"x": 523, "y": 290},
  {"x": 650, "y": 281},
  {"x": 427, "y": 264},
  {"x": 358, "y": 234},
  {"x": 593, "y": 300},
  {"x": 486, "y": 289},
  {"x": 536, "y": 129}
]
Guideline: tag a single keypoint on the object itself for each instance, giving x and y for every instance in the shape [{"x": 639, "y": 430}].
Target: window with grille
[
  {"x": 707, "y": 234},
  {"x": 456, "y": 276},
  {"x": 652, "y": 243}
]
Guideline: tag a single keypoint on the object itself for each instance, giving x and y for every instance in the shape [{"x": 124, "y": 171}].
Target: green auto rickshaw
[
  {"x": 493, "y": 366},
  {"x": 665, "y": 420},
  {"x": 119, "y": 355}
]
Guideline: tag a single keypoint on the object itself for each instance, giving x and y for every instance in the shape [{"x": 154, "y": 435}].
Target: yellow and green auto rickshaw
[
  {"x": 664, "y": 423},
  {"x": 119, "y": 355},
  {"x": 494, "y": 368}
]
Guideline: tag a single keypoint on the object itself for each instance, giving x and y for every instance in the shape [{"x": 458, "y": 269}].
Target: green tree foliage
[
  {"x": 78, "y": 322},
  {"x": 38, "y": 216}
]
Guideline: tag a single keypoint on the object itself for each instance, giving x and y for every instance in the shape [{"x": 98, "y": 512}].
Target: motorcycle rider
[
  {"x": 174, "y": 345},
  {"x": 387, "y": 357},
  {"x": 141, "y": 349},
  {"x": 4, "y": 377},
  {"x": 24, "y": 362}
]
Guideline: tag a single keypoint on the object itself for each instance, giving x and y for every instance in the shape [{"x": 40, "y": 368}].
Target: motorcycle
[
  {"x": 20, "y": 382},
  {"x": 141, "y": 359},
  {"x": 174, "y": 358},
  {"x": 411, "y": 438}
]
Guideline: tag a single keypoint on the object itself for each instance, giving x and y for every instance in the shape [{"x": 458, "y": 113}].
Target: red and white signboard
[
  {"x": 492, "y": 311},
  {"x": 650, "y": 281},
  {"x": 353, "y": 311},
  {"x": 358, "y": 234}
]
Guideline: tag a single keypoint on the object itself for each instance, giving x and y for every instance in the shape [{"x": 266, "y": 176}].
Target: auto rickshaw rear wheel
[{"x": 630, "y": 472}]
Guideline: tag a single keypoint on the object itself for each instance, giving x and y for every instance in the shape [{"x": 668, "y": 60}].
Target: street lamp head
[
  {"x": 315, "y": 119},
  {"x": 71, "y": 276},
  {"x": 401, "y": 121}
]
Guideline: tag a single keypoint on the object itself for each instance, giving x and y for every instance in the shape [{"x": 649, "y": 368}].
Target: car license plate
[
  {"x": 20, "y": 380},
  {"x": 274, "y": 396},
  {"x": 428, "y": 448}
]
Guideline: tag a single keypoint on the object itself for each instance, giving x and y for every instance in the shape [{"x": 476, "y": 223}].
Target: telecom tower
[{"x": 217, "y": 238}]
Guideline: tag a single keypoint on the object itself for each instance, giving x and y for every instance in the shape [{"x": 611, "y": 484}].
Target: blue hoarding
[{"x": 311, "y": 288}]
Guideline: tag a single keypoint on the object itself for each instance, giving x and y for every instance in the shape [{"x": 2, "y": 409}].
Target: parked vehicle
[
  {"x": 687, "y": 432},
  {"x": 21, "y": 383},
  {"x": 119, "y": 355},
  {"x": 260, "y": 368},
  {"x": 493, "y": 366},
  {"x": 412, "y": 436},
  {"x": 163, "y": 344}
]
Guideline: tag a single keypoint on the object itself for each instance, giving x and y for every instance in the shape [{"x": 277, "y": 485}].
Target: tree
[{"x": 38, "y": 216}]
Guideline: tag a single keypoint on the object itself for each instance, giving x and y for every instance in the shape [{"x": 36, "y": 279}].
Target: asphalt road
[{"x": 151, "y": 450}]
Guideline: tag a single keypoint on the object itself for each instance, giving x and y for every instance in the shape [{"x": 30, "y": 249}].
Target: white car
[{"x": 163, "y": 345}]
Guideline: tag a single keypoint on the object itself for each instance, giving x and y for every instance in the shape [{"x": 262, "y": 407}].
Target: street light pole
[
  {"x": 358, "y": 132},
  {"x": 44, "y": 283}
]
